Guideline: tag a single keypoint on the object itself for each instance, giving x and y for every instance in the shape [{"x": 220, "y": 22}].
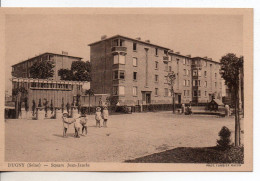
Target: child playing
[
  {"x": 105, "y": 116},
  {"x": 98, "y": 116},
  {"x": 66, "y": 123},
  {"x": 77, "y": 126},
  {"x": 83, "y": 122}
]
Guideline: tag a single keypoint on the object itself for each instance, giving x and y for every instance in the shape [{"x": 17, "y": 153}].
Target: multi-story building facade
[
  {"x": 61, "y": 61},
  {"x": 135, "y": 72},
  {"x": 52, "y": 89}
]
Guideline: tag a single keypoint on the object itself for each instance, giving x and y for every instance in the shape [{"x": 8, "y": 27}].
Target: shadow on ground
[{"x": 194, "y": 155}]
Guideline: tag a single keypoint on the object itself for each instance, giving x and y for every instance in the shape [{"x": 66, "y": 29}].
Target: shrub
[{"x": 224, "y": 142}]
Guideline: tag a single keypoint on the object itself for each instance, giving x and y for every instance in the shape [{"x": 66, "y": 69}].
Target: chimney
[
  {"x": 103, "y": 37},
  {"x": 138, "y": 38},
  {"x": 147, "y": 41},
  {"x": 205, "y": 57},
  {"x": 64, "y": 53},
  {"x": 188, "y": 55}
]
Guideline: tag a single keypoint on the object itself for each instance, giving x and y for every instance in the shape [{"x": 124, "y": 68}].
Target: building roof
[
  {"x": 209, "y": 60},
  {"x": 219, "y": 102},
  {"x": 46, "y": 54},
  {"x": 132, "y": 39},
  {"x": 151, "y": 44}
]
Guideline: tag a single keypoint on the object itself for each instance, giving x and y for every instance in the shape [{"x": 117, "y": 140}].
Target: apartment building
[
  {"x": 136, "y": 72},
  {"x": 52, "y": 89},
  {"x": 61, "y": 61}
]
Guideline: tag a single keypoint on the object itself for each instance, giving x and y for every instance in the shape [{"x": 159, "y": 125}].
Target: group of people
[{"x": 80, "y": 121}]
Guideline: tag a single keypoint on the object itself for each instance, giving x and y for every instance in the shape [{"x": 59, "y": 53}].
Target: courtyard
[{"x": 128, "y": 136}]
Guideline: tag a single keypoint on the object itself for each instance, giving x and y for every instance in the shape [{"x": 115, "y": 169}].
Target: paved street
[{"x": 128, "y": 136}]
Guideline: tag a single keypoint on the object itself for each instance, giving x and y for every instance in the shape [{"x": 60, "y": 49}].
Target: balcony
[
  {"x": 196, "y": 66},
  {"x": 166, "y": 59},
  {"x": 118, "y": 50}
]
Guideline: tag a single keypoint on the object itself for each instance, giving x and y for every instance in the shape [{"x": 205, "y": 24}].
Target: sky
[{"x": 199, "y": 35}]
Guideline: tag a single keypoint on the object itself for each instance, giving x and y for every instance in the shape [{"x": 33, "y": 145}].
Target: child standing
[
  {"x": 98, "y": 116},
  {"x": 83, "y": 122},
  {"x": 77, "y": 126},
  {"x": 105, "y": 116},
  {"x": 66, "y": 123}
]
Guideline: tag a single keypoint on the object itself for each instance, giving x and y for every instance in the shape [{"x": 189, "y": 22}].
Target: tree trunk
[
  {"x": 173, "y": 102},
  {"x": 16, "y": 107},
  {"x": 89, "y": 103},
  {"x": 237, "y": 119}
]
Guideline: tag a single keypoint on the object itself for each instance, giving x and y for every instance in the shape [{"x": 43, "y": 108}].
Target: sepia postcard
[{"x": 126, "y": 89}]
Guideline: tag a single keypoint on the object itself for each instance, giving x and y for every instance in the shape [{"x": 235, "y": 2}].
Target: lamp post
[{"x": 171, "y": 78}]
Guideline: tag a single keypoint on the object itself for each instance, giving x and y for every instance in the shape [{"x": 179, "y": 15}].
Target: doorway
[
  {"x": 179, "y": 99},
  {"x": 146, "y": 96}
]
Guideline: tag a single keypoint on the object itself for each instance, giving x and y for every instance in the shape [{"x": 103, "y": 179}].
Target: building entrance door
[
  {"x": 179, "y": 99},
  {"x": 146, "y": 96}
]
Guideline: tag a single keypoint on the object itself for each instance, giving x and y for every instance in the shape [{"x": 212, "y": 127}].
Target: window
[
  {"x": 170, "y": 68},
  {"x": 184, "y": 61},
  {"x": 166, "y": 93},
  {"x": 156, "y": 78},
  {"x": 115, "y": 75},
  {"x": 184, "y": 92},
  {"x": 121, "y": 42},
  {"x": 122, "y": 75},
  {"x": 195, "y": 94},
  {"x": 116, "y": 59},
  {"x": 199, "y": 93},
  {"x": 195, "y": 72},
  {"x": 156, "y": 91},
  {"x": 184, "y": 71},
  {"x": 205, "y": 63},
  {"x": 115, "y": 42},
  {"x": 135, "y": 75},
  {"x": 215, "y": 75},
  {"x": 196, "y": 82},
  {"x": 119, "y": 74},
  {"x": 188, "y": 72},
  {"x": 156, "y": 65},
  {"x": 205, "y": 84},
  {"x": 134, "y": 47},
  {"x": 188, "y": 93},
  {"x": 121, "y": 90},
  {"x": 215, "y": 84},
  {"x": 134, "y": 91},
  {"x": 205, "y": 73},
  {"x": 165, "y": 79},
  {"x": 184, "y": 82},
  {"x": 165, "y": 66},
  {"x": 199, "y": 72},
  {"x": 188, "y": 83},
  {"x": 205, "y": 93},
  {"x": 121, "y": 59},
  {"x": 156, "y": 51},
  {"x": 134, "y": 61},
  {"x": 115, "y": 90}
]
